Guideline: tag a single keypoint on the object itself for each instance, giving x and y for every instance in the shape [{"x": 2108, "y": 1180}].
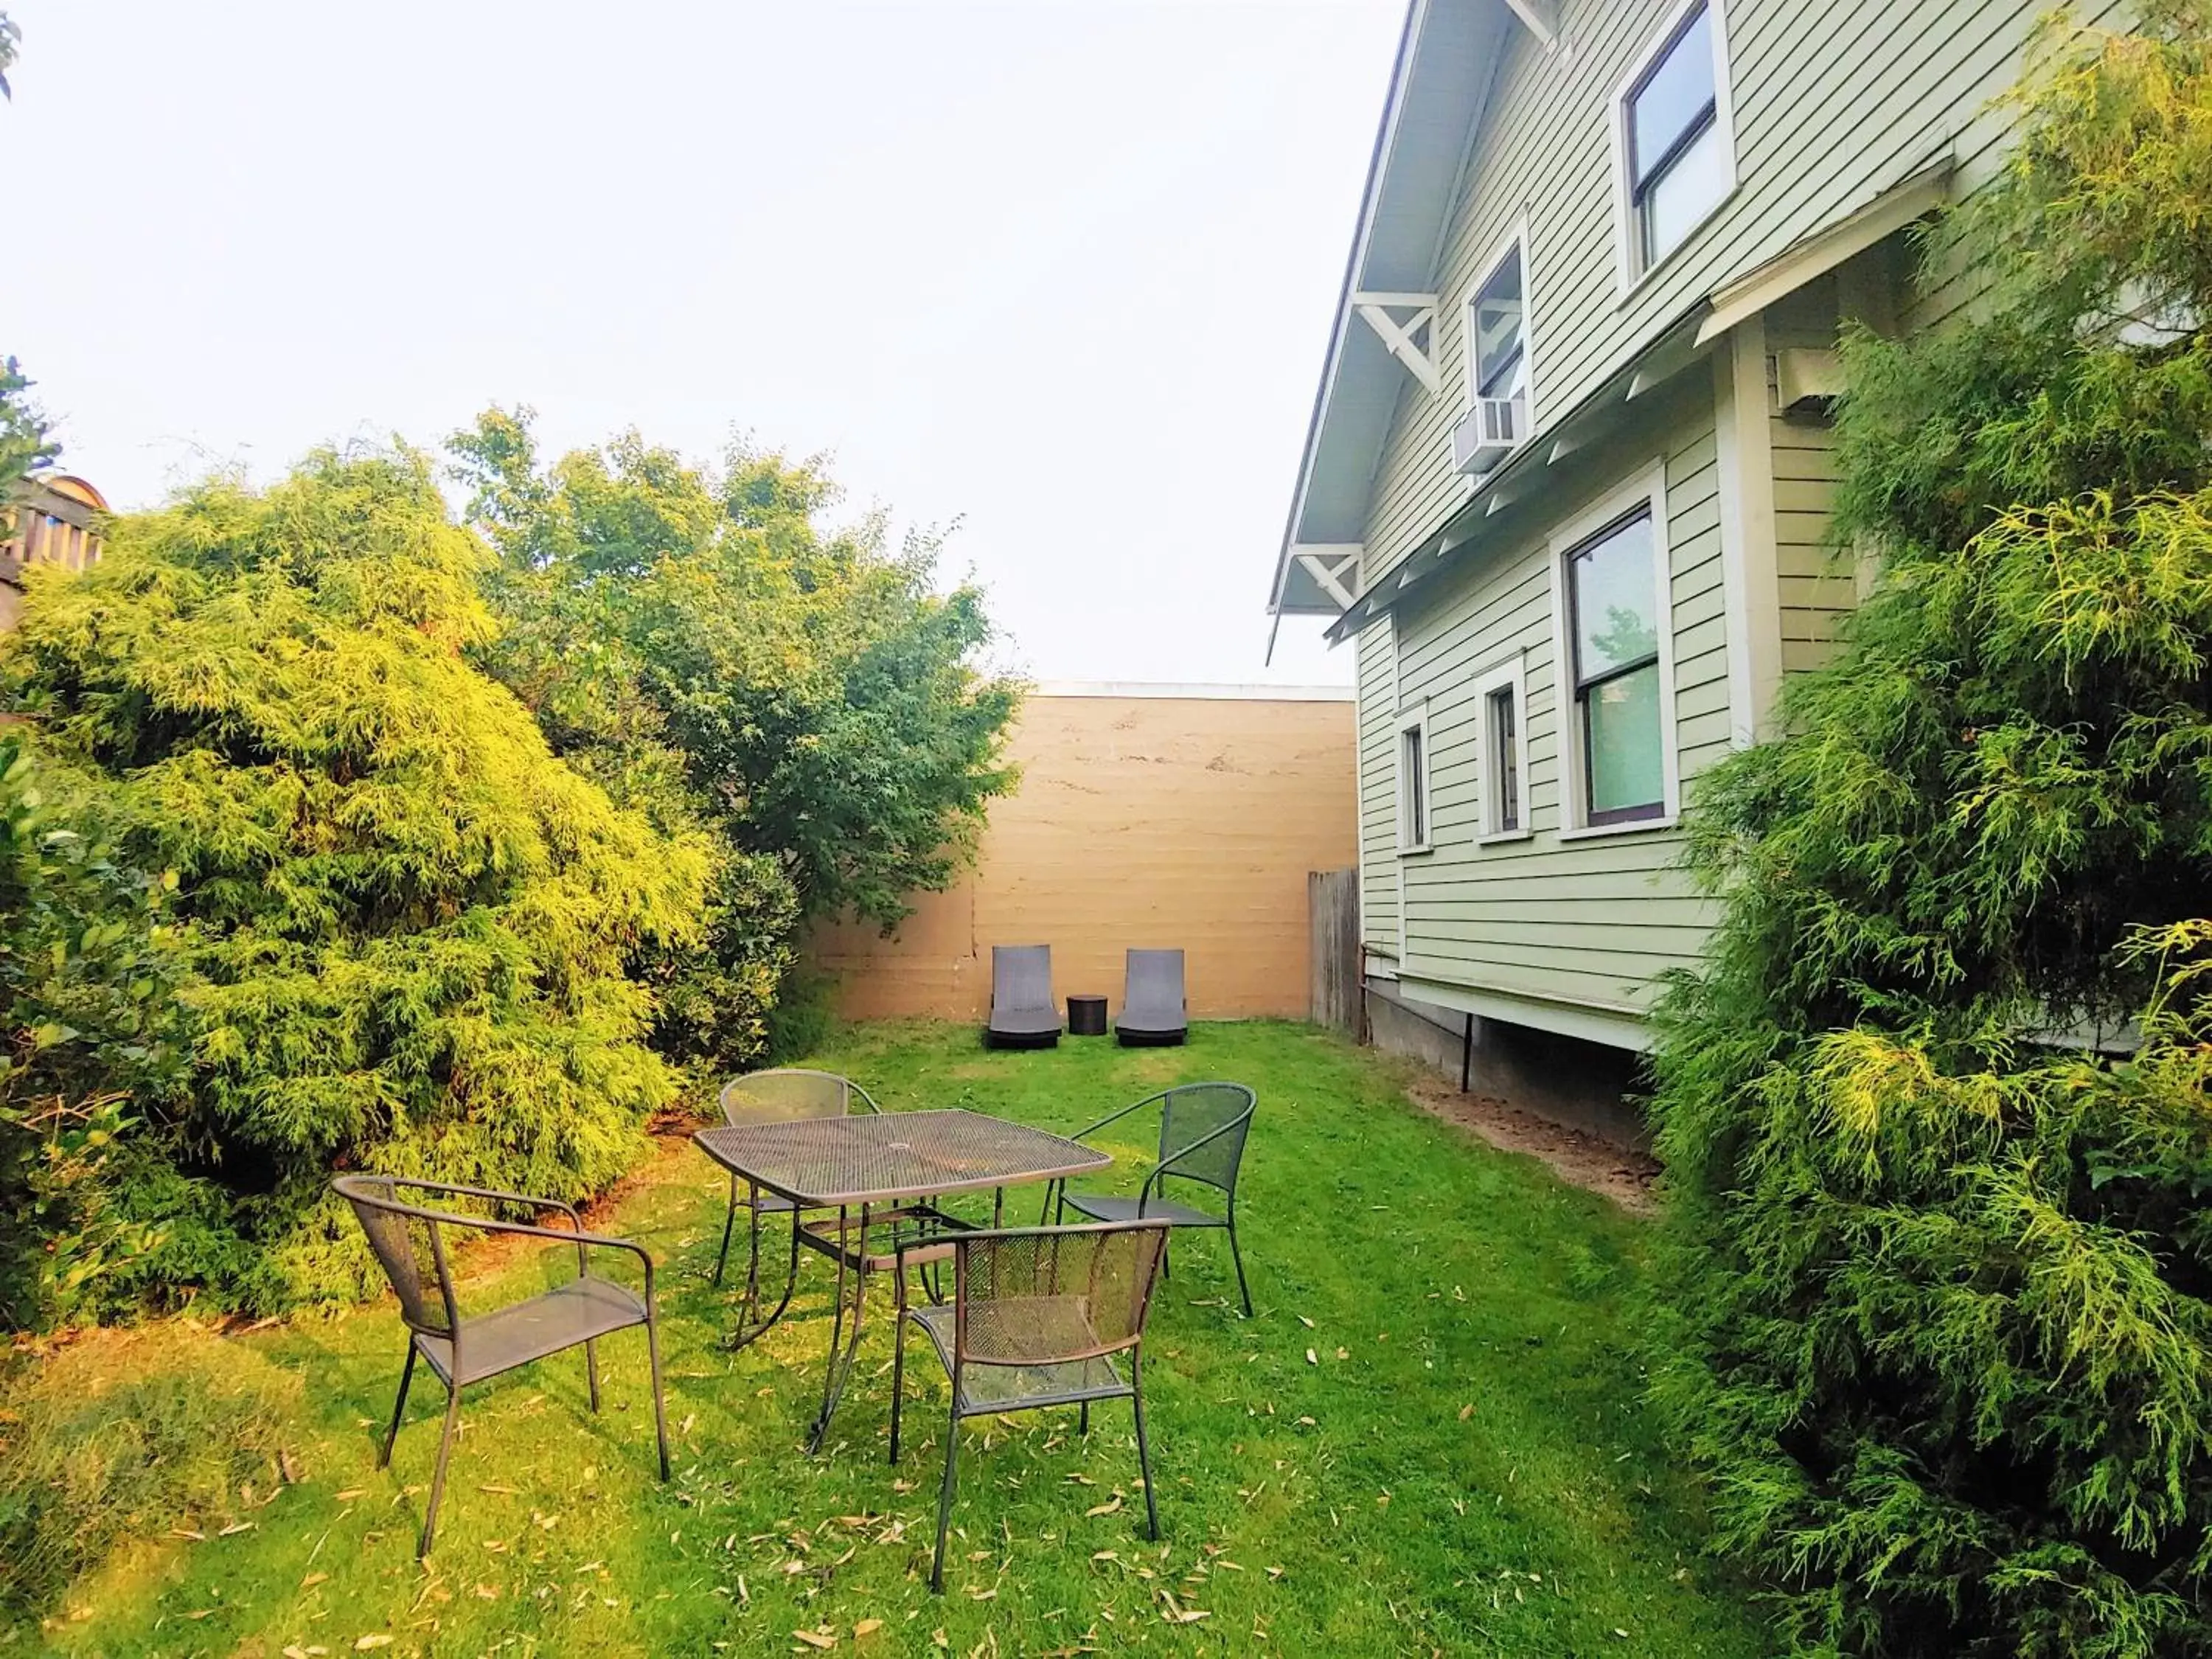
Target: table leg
[
  {"x": 840, "y": 1365},
  {"x": 751, "y": 1328}
]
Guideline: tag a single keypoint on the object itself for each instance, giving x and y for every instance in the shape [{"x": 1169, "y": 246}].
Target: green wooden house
[{"x": 1565, "y": 490}]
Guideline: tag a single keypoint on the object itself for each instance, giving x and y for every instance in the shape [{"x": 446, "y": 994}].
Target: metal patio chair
[
  {"x": 780, "y": 1096},
  {"x": 1023, "y": 1013},
  {"x": 1203, "y": 1128},
  {"x": 1154, "y": 1014},
  {"x": 409, "y": 1240},
  {"x": 1038, "y": 1317}
]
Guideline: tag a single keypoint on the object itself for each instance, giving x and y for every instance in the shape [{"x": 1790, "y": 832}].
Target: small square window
[{"x": 1679, "y": 167}]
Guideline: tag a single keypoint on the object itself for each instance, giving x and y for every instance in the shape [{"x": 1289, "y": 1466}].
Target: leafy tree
[
  {"x": 1934, "y": 1114},
  {"x": 404, "y": 924},
  {"x": 27, "y": 443},
  {"x": 697, "y": 640},
  {"x": 11, "y": 37}
]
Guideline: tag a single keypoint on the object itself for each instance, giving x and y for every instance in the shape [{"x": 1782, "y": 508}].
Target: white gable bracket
[
  {"x": 1334, "y": 566},
  {"x": 1399, "y": 337},
  {"x": 1542, "y": 17}
]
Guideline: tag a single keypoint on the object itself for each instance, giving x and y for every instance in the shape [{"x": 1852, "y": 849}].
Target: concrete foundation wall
[{"x": 1583, "y": 1085}]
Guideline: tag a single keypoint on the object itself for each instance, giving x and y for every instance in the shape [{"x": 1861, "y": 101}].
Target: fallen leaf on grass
[
  {"x": 186, "y": 1532},
  {"x": 1312, "y": 1358},
  {"x": 1304, "y": 1321},
  {"x": 236, "y": 1527},
  {"x": 488, "y": 1592},
  {"x": 504, "y": 1491},
  {"x": 349, "y": 1494},
  {"x": 374, "y": 1639},
  {"x": 1344, "y": 1353},
  {"x": 817, "y": 1639},
  {"x": 867, "y": 1627},
  {"x": 1103, "y": 1509},
  {"x": 1466, "y": 1411},
  {"x": 313, "y": 1579}
]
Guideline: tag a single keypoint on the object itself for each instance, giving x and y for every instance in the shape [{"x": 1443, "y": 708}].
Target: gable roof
[{"x": 1446, "y": 63}]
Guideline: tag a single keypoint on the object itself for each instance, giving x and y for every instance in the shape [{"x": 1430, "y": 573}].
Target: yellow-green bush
[
  {"x": 405, "y": 927},
  {"x": 1936, "y": 1115}
]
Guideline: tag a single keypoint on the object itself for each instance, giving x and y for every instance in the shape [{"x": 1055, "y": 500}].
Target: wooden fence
[{"x": 1333, "y": 914}]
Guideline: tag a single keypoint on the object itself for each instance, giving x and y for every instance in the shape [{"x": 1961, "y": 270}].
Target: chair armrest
[
  {"x": 583, "y": 1241},
  {"x": 493, "y": 1193},
  {"x": 1160, "y": 1168},
  {"x": 1115, "y": 1117}
]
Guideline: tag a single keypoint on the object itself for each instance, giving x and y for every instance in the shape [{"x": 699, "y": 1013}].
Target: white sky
[{"x": 1061, "y": 270}]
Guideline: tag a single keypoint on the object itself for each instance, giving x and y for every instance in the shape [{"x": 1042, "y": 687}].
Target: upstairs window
[
  {"x": 1679, "y": 164},
  {"x": 1498, "y": 325}
]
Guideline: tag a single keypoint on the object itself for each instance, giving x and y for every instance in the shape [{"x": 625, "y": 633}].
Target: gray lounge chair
[
  {"x": 1023, "y": 1013},
  {"x": 1153, "y": 1009}
]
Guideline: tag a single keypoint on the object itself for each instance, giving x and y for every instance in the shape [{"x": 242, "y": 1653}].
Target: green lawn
[{"x": 1430, "y": 1439}]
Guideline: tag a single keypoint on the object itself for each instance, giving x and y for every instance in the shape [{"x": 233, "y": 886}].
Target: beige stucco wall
[{"x": 1141, "y": 820}]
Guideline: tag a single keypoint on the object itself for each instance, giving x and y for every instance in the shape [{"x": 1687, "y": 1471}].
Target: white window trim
[
  {"x": 1631, "y": 272},
  {"x": 1517, "y": 237},
  {"x": 1649, "y": 488},
  {"x": 1512, "y": 674},
  {"x": 1413, "y": 718}
]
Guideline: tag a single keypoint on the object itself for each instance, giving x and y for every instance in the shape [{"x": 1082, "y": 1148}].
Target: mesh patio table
[{"x": 872, "y": 1170}]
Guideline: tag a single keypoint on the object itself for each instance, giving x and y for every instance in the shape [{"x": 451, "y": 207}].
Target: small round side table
[{"x": 1086, "y": 1016}]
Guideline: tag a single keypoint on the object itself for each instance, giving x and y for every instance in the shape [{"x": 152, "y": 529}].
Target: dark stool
[{"x": 1086, "y": 1016}]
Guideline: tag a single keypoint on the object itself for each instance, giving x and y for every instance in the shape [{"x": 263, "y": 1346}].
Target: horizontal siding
[
  {"x": 1378, "y": 785},
  {"x": 1819, "y": 587},
  {"x": 1833, "y": 104},
  {"x": 1589, "y": 921}
]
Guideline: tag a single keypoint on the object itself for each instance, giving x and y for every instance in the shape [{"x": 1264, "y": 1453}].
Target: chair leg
[
  {"x": 944, "y": 1502},
  {"x": 400, "y": 1405},
  {"x": 660, "y": 1405},
  {"x": 591, "y": 1372},
  {"x": 898, "y": 1367},
  {"x": 1144, "y": 1452},
  {"x": 729, "y": 1222},
  {"x": 1082, "y": 1420},
  {"x": 1237, "y": 1257},
  {"x": 438, "y": 1480}
]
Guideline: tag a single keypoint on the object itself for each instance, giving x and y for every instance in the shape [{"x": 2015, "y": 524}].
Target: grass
[{"x": 1430, "y": 1439}]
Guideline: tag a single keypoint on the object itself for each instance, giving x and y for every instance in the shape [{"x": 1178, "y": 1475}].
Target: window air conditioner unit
[{"x": 1492, "y": 430}]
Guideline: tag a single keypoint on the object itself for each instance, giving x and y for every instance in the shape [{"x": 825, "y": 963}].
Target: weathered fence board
[{"x": 1332, "y": 913}]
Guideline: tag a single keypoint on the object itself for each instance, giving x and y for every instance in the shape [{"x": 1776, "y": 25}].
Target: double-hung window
[
  {"x": 1497, "y": 324},
  {"x": 1614, "y": 617},
  {"x": 1676, "y": 141}
]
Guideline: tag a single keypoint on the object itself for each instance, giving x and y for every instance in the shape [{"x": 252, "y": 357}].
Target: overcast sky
[{"x": 1060, "y": 269}]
